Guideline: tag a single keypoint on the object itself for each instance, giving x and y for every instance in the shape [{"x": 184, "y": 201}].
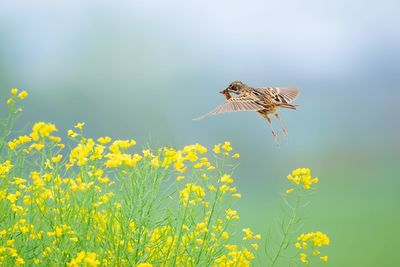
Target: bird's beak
[{"x": 223, "y": 92}]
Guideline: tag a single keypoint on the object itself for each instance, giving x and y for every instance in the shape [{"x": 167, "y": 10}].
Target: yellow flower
[
  {"x": 255, "y": 246},
  {"x": 72, "y": 134},
  {"x": 231, "y": 214},
  {"x": 225, "y": 235},
  {"x": 18, "y": 141},
  {"x": 236, "y": 155},
  {"x": 248, "y": 232},
  {"x": 318, "y": 239},
  {"x": 202, "y": 227},
  {"x": 201, "y": 149},
  {"x": 79, "y": 125},
  {"x": 324, "y": 258},
  {"x": 257, "y": 237},
  {"x": 5, "y": 168},
  {"x": 104, "y": 140},
  {"x": 14, "y": 91},
  {"x": 227, "y": 146},
  {"x": 10, "y": 101},
  {"x": 37, "y": 146},
  {"x": 145, "y": 264},
  {"x": 237, "y": 195},
  {"x": 73, "y": 239},
  {"x": 289, "y": 191},
  {"x": 42, "y": 129},
  {"x": 224, "y": 188},
  {"x": 19, "y": 261},
  {"x": 191, "y": 194},
  {"x": 57, "y": 158},
  {"x": 302, "y": 176},
  {"x": 217, "y": 149},
  {"x": 226, "y": 178},
  {"x": 303, "y": 258},
  {"x": 199, "y": 241},
  {"x": 180, "y": 178},
  {"x": 22, "y": 95},
  {"x": 212, "y": 188}
]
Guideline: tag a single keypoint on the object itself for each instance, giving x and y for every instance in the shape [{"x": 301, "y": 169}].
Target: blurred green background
[{"x": 144, "y": 69}]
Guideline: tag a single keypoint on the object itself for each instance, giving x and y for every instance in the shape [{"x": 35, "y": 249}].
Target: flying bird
[{"x": 265, "y": 101}]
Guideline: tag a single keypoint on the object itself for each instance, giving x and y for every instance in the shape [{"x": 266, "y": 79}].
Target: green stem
[{"x": 286, "y": 231}]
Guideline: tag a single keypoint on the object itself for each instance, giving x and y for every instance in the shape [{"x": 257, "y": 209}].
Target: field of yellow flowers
[{"x": 103, "y": 202}]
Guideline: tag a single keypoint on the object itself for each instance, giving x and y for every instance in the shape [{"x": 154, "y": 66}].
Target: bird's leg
[
  {"x": 274, "y": 135},
  {"x": 282, "y": 124}
]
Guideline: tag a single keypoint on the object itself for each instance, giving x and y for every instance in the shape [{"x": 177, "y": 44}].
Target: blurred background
[{"x": 144, "y": 69}]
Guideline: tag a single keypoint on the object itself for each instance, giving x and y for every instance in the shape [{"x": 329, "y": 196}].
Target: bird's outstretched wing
[
  {"x": 240, "y": 103},
  {"x": 282, "y": 94}
]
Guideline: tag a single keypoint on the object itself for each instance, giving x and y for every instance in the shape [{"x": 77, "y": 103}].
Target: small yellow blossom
[
  {"x": 72, "y": 134},
  {"x": 79, "y": 125},
  {"x": 257, "y": 237},
  {"x": 19, "y": 261},
  {"x": 226, "y": 178},
  {"x": 248, "y": 233},
  {"x": 227, "y": 146},
  {"x": 212, "y": 188},
  {"x": 303, "y": 258},
  {"x": 289, "y": 191},
  {"x": 104, "y": 140},
  {"x": 236, "y": 155},
  {"x": 217, "y": 149},
  {"x": 199, "y": 241},
  {"x": 37, "y": 146},
  {"x": 225, "y": 235},
  {"x": 14, "y": 91},
  {"x": 42, "y": 129},
  {"x": 5, "y": 168},
  {"x": 231, "y": 214},
  {"x": 22, "y": 95},
  {"x": 324, "y": 258},
  {"x": 302, "y": 176},
  {"x": 57, "y": 158},
  {"x": 180, "y": 178}
]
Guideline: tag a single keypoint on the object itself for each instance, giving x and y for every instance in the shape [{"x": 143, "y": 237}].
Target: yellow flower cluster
[
  {"x": 18, "y": 141},
  {"x": 5, "y": 168},
  {"x": 301, "y": 176},
  {"x": 192, "y": 194},
  {"x": 84, "y": 259},
  {"x": 14, "y": 96},
  {"x": 235, "y": 257},
  {"x": 311, "y": 242},
  {"x": 225, "y": 149}
]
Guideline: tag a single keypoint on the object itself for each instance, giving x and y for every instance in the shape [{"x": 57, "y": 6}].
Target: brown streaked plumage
[{"x": 265, "y": 101}]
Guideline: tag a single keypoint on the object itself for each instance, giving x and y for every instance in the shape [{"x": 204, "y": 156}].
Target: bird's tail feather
[{"x": 291, "y": 106}]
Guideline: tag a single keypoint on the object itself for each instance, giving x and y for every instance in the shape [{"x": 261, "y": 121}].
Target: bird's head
[{"x": 235, "y": 87}]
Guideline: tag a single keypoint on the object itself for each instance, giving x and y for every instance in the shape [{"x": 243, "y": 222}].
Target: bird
[{"x": 266, "y": 101}]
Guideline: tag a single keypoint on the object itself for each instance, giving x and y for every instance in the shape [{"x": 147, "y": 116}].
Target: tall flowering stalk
[{"x": 294, "y": 201}]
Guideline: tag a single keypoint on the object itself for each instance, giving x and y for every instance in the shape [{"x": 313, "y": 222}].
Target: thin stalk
[{"x": 286, "y": 231}]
